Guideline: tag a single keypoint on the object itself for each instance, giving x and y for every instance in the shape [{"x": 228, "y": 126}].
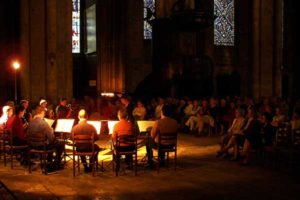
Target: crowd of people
[{"x": 240, "y": 121}]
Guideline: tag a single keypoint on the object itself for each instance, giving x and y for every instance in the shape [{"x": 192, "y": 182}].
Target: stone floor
[{"x": 200, "y": 175}]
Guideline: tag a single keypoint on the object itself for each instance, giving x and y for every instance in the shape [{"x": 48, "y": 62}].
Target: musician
[
  {"x": 7, "y": 112},
  {"x": 16, "y": 126},
  {"x": 63, "y": 111},
  {"x": 84, "y": 128},
  {"x": 163, "y": 125},
  {"x": 129, "y": 106},
  {"x": 39, "y": 126},
  {"x": 43, "y": 104},
  {"x": 27, "y": 115},
  {"x": 124, "y": 127}
]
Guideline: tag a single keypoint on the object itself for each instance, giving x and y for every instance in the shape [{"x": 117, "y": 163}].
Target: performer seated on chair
[
  {"x": 124, "y": 127},
  {"x": 15, "y": 125},
  {"x": 39, "y": 126},
  {"x": 164, "y": 125},
  {"x": 84, "y": 128}
]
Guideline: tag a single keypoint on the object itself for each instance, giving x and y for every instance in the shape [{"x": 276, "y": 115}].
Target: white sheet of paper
[
  {"x": 96, "y": 124},
  {"x": 49, "y": 121},
  {"x": 64, "y": 125},
  {"x": 144, "y": 125},
  {"x": 111, "y": 125}
]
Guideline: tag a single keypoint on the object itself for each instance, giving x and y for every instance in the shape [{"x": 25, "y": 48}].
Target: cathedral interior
[
  {"x": 175, "y": 48},
  {"x": 231, "y": 50}
]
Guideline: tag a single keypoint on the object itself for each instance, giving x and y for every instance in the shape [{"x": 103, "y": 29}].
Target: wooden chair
[
  {"x": 42, "y": 151},
  {"x": 1, "y": 141},
  {"x": 86, "y": 140},
  {"x": 295, "y": 152},
  {"x": 129, "y": 141},
  {"x": 10, "y": 148},
  {"x": 167, "y": 143},
  {"x": 283, "y": 144}
]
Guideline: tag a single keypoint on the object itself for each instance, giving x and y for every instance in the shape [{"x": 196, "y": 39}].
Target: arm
[
  {"x": 154, "y": 130},
  {"x": 48, "y": 132}
]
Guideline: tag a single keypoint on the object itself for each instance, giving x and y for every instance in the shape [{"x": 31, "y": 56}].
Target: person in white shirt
[{"x": 7, "y": 112}]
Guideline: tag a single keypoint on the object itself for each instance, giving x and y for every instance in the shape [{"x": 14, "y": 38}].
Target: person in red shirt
[
  {"x": 123, "y": 127},
  {"x": 16, "y": 126}
]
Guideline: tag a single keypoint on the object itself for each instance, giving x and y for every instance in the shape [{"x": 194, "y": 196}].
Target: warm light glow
[
  {"x": 16, "y": 65},
  {"x": 107, "y": 94}
]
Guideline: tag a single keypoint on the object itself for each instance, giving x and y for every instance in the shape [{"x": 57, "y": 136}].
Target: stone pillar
[
  {"x": 267, "y": 47},
  {"x": 110, "y": 43},
  {"x": 46, "y": 36},
  {"x": 136, "y": 67}
]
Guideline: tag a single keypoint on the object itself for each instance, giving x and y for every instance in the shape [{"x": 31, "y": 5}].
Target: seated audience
[
  {"x": 139, "y": 112},
  {"x": 236, "y": 128},
  {"x": 129, "y": 106},
  {"x": 267, "y": 130},
  {"x": 278, "y": 118},
  {"x": 193, "y": 116},
  {"x": 251, "y": 134},
  {"x": 295, "y": 122},
  {"x": 248, "y": 136},
  {"x": 204, "y": 117},
  {"x": 158, "y": 108}
]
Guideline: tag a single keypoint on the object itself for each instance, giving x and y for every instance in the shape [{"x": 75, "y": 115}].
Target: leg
[
  {"x": 149, "y": 146},
  {"x": 246, "y": 150}
]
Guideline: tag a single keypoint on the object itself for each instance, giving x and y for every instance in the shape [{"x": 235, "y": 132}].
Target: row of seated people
[
  {"x": 37, "y": 125},
  {"x": 252, "y": 132},
  {"x": 192, "y": 115}
]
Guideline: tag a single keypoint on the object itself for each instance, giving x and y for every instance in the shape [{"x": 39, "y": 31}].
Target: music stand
[
  {"x": 145, "y": 126},
  {"x": 111, "y": 125},
  {"x": 64, "y": 126},
  {"x": 144, "y": 129},
  {"x": 50, "y": 122},
  {"x": 96, "y": 124}
]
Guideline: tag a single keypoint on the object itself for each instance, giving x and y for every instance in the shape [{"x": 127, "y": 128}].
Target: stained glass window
[
  {"x": 76, "y": 26},
  {"x": 224, "y": 22},
  {"x": 149, "y": 10}
]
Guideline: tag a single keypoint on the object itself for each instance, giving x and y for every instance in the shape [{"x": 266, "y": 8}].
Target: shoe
[
  {"x": 150, "y": 166},
  {"x": 219, "y": 154},
  {"x": 88, "y": 169},
  {"x": 129, "y": 167},
  {"x": 60, "y": 166},
  {"x": 233, "y": 159},
  {"x": 245, "y": 163},
  {"x": 50, "y": 168}
]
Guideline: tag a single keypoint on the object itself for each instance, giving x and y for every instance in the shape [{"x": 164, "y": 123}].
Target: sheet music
[
  {"x": 96, "y": 124},
  {"x": 64, "y": 125},
  {"x": 49, "y": 121},
  {"x": 111, "y": 125},
  {"x": 144, "y": 126}
]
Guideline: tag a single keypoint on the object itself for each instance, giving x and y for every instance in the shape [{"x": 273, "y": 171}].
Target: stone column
[
  {"x": 46, "y": 36},
  {"x": 267, "y": 48}
]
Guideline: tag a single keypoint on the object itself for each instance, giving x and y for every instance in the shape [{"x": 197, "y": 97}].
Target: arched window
[
  {"x": 76, "y": 26},
  {"x": 224, "y": 22},
  {"x": 149, "y": 10}
]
